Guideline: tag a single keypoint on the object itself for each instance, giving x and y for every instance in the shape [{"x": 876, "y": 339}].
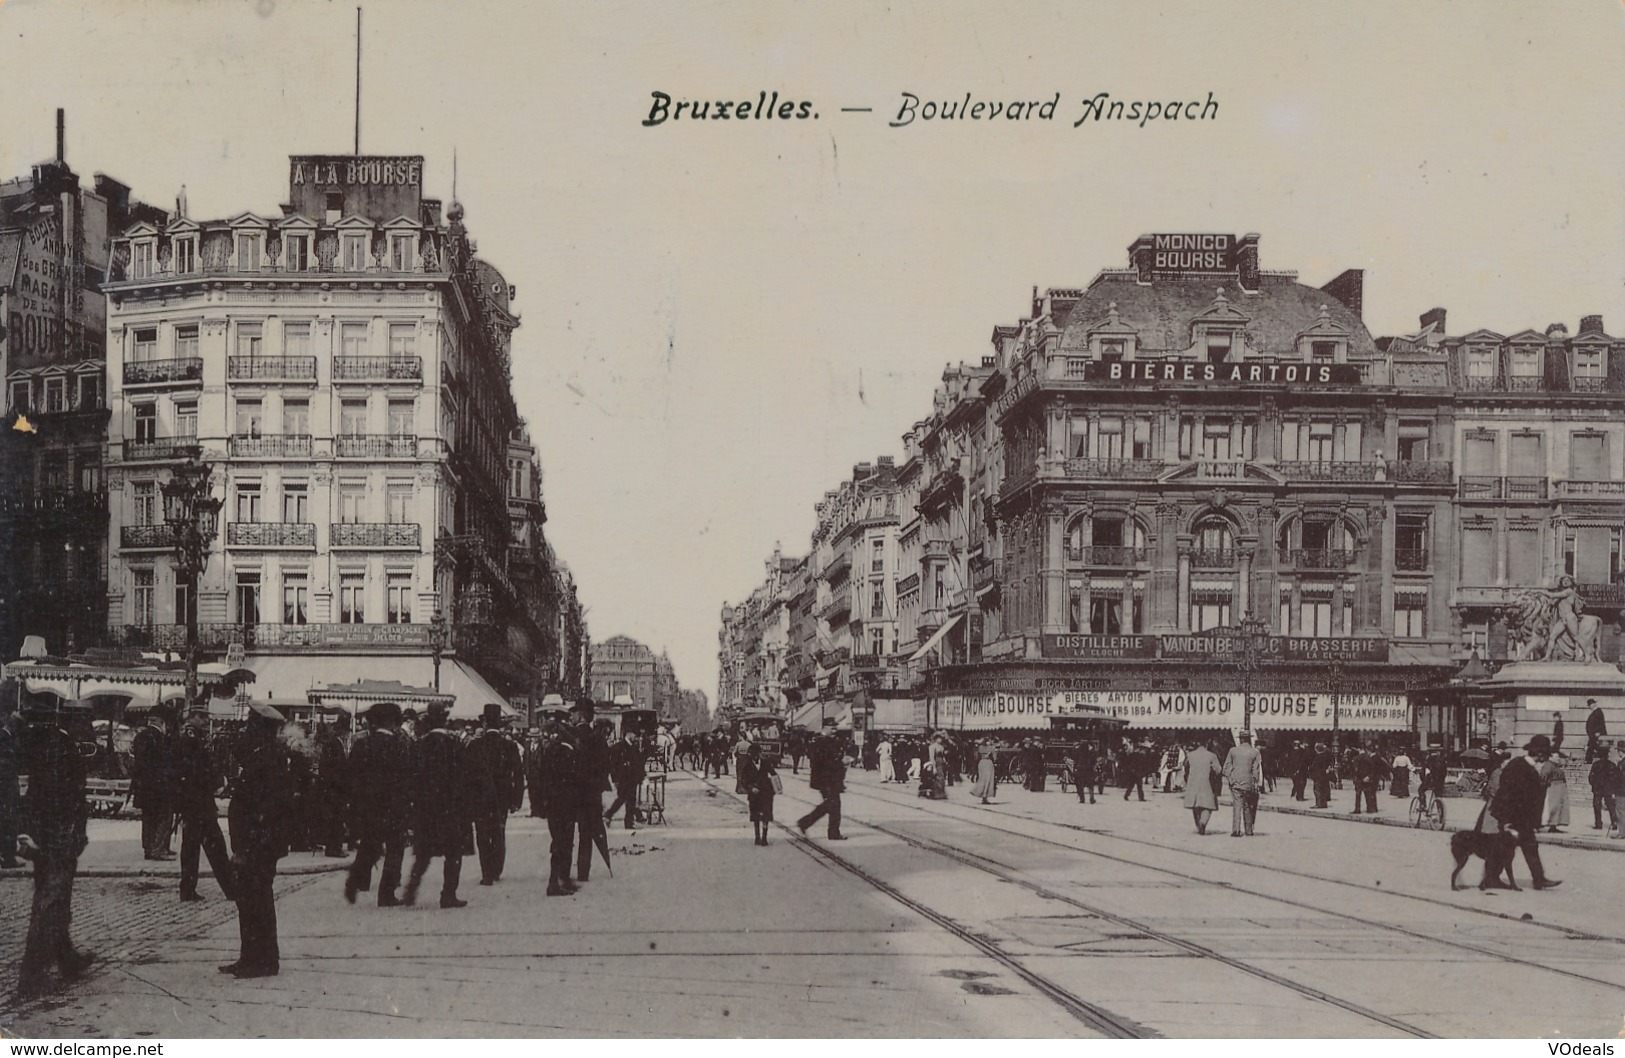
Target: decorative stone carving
[
  {"x": 1548, "y": 625},
  {"x": 1167, "y": 511}
]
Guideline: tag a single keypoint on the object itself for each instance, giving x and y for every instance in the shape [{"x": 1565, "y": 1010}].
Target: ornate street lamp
[
  {"x": 437, "y": 643},
  {"x": 1254, "y": 633},
  {"x": 1334, "y": 676},
  {"x": 193, "y": 517}
]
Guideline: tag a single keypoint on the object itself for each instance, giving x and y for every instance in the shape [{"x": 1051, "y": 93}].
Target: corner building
[
  {"x": 345, "y": 368},
  {"x": 1187, "y": 442}
]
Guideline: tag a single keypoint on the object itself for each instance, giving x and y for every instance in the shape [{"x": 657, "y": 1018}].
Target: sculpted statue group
[{"x": 1551, "y": 625}]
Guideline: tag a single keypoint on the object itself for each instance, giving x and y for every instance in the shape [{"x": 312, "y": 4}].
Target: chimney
[
  {"x": 1247, "y": 262},
  {"x": 61, "y": 128},
  {"x": 1349, "y": 288},
  {"x": 1141, "y": 255},
  {"x": 1557, "y": 331},
  {"x": 1591, "y": 325},
  {"x": 1433, "y": 318}
]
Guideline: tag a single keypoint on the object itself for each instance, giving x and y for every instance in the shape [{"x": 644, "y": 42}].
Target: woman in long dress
[
  {"x": 1557, "y": 794},
  {"x": 756, "y": 774},
  {"x": 987, "y": 779},
  {"x": 887, "y": 773}
]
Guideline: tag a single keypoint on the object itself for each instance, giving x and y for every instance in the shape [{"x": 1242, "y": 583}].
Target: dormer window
[
  {"x": 143, "y": 258},
  {"x": 185, "y": 254},
  {"x": 335, "y": 206},
  {"x": 1218, "y": 346},
  {"x": 296, "y": 249},
  {"x": 1525, "y": 368},
  {"x": 402, "y": 252},
  {"x": 1323, "y": 352},
  {"x": 355, "y": 252},
  {"x": 1112, "y": 349},
  {"x": 250, "y": 245},
  {"x": 56, "y": 393},
  {"x": 1480, "y": 363}
]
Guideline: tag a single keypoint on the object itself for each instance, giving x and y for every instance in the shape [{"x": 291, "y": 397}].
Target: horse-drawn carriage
[{"x": 1057, "y": 747}]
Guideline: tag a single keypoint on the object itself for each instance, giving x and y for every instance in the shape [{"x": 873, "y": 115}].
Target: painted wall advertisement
[{"x": 1307, "y": 711}]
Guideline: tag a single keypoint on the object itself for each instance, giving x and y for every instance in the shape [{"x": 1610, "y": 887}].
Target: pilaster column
[
  {"x": 1244, "y": 579},
  {"x": 1053, "y": 570},
  {"x": 1164, "y": 585},
  {"x": 1294, "y": 615},
  {"x": 1372, "y": 601},
  {"x": 1084, "y": 604},
  {"x": 1184, "y": 589}
]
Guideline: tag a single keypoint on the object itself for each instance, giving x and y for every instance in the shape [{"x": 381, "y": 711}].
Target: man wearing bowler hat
[
  {"x": 260, "y": 815},
  {"x": 440, "y": 821},
  {"x": 197, "y": 777},
  {"x": 557, "y": 784},
  {"x": 1519, "y": 800},
  {"x": 826, "y": 773},
  {"x": 496, "y": 786},
  {"x": 380, "y": 788},
  {"x": 152, "y": 780}
]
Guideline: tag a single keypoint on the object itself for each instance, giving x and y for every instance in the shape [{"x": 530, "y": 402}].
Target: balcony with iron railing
[
  {"x": 1316, "y": 557},
  {"x": 1214, "y": 558},
  {"x": 930, "y": 620},
  {"x": 169, "y": 450},
  {"x": 1517, "y": 488},
  {"x": 1114, "y": 469},
  {"x": 378, "y": 369},
  {"x": 984, "y": 574},
  {"x": 1329, "y": 470},
  {"x": 1411, "y": 559},
  {"x": 270, "y": 446},
  {"x": 837, "y": 609},
  {"x": 839, "y": 567},
  {"x": 1421, "y": 471},
  {"x": 184, "y": 369},
  {"x": 1588, "y": 384},
  {"x": 271, "y": 534},
  {"x": 1526, "y": 489},
  {"x": 219, "y": 635},
  {"x": 376, "y": 534},
  {"x": 271, "y": 368},
  {"x": 936, "y": 549},
  {"x": 1590, "y": 489},
  {"x": 1220, "y": 469},
  {"x": 1108, "y": 555},
  {"x": 160, "y": 535},
  {"x": 375, "y": 446}
]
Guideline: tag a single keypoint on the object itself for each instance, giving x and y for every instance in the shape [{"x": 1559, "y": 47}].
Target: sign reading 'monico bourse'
[
  {"x": 1202, "y": 253},
  {"x": 1202, "y": 647}
]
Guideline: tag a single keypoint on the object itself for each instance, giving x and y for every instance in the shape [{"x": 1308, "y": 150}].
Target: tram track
[
  {"x": 1560, "y": 930},
  {"x": 1013, "y": 875},
  {"x": 1370, "y": 923},
  {"x": 1107, "y": 1022}
]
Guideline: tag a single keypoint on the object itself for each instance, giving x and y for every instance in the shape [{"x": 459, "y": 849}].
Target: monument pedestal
[{"x": 1525, "y": 694}]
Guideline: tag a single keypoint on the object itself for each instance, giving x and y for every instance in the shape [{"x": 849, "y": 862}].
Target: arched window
[
  {"x": 1317, "y": 540},
  {"x": 1215, "y": 543}
]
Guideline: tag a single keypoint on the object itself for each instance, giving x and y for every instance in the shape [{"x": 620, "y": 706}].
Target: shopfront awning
[
  {"x": 936, "y": 637},
  {"x": 288, "y": 676}
]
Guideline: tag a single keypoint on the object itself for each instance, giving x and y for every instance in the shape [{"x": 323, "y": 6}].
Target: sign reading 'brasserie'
[
  {"x": 1155, "y": 372},
  {"x": 1199, "y": 647}
]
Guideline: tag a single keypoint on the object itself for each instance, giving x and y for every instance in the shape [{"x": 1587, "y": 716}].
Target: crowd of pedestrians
[{"x": 405, "y": 780}]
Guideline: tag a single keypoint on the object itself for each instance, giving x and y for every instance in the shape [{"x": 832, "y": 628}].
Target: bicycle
[{"x": 1427, "y": 809}]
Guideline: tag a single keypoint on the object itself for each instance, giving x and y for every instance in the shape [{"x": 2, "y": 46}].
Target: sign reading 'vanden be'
[{"x": 1151, "y": 373}]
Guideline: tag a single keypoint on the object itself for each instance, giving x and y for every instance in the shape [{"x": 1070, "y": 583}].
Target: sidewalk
[
  {"x": 1460, "y": 813},
  {"x": 115, "y": 852}
]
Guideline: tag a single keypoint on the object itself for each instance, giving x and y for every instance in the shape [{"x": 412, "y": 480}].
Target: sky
[{"x": 719, "y": 318}]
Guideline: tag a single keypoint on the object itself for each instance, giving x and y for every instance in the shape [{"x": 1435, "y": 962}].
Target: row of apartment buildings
[
  {"x": 1088, "y": 514},
  {"x": 343, "y": 366}
]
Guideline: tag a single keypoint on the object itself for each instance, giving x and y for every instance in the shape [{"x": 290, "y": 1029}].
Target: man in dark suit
[
  {"x": 380, "y": 788},
  {"x": 440, "y": 821},
  {"x": 196, "y": 780},
  {"x": 826, "y": 773},
  {"x": 1297, "y": 766},
  {"x": 1519, "y": 800},
  {"x": 1368, "y": 772},
  {"x": 559, "y": 760},
  {"x": 496, "y": 786},
  {"x": 260, "y": 813},
  {"x": 1321, "y": 766},
  {"x": 627, "y": 771},
  {"x": 330, "y": 796},
  {"x": 152, "y": 783},
  {"x": 52, "y": 820},
  {"x": 592, "y": 779}
]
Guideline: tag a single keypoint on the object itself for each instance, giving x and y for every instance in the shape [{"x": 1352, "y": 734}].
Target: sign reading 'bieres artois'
[
  {"x": 1151, "y": 373},
  {"x": 1203, "y": 647}
]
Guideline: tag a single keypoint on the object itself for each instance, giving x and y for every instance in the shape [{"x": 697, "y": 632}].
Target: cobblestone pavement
[{"x": 124, "y": 921}]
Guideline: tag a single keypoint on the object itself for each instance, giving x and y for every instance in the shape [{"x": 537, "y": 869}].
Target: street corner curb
[
  {"x": 329, "y": 867},
  {"x": 1560, "y": 841}
]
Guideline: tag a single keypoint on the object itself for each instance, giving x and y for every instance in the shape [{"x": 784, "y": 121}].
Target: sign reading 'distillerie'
[
  {"x": 1152, "y": 373},
  {"x": 1099, "y": 646}
]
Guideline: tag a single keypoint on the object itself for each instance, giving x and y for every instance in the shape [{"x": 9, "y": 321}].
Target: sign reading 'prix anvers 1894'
[{"x": 1199, "y": 647}]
